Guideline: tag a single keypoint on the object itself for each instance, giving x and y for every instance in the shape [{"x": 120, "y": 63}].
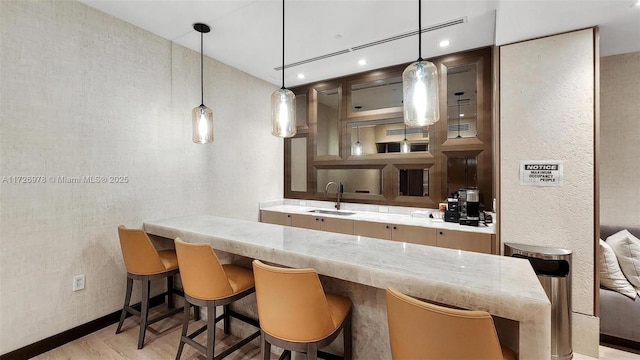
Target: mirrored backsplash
[
  {"x": 388, "y": 137},
  {"x": 462, "y": 105},
  {"x": 358, "y": 181}
]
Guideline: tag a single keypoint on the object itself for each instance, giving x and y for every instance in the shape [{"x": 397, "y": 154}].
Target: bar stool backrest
[
  {"x": 202, "y": 275},
  {"x": 419, "y": 330},
  {"x": 292, "y": 305},
  {"x": 140, "y": 256}
]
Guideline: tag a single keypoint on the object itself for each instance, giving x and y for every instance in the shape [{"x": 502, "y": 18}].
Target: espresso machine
[
  {"x": 469, "y": 207},
  {"x": 452, "y": 213}
]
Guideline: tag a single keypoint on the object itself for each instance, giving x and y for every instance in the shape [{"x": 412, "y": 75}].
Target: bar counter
[{"x": 503, "y": 286}]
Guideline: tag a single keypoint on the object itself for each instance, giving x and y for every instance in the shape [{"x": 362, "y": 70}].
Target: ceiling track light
[
  {"x": 202, "y": 116},
  {"x": 420, "y": 88},
  {"x": 283, "y": 103}
]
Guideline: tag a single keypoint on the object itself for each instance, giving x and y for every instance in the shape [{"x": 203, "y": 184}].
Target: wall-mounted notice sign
[{"x": 541, "y": 172}]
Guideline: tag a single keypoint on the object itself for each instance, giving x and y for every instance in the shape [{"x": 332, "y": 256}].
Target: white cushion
[
  {"x": 611, "y": 276},
  {"x": 627, "y": 249}
]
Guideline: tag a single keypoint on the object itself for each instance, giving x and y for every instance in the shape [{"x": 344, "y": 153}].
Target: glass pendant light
[
  {"x": 420, "y": 87},
  {"x": 283, "y": 104},
  {"x": 357, "y": 147},
  {"x": 458, "y": 94},
  {"x": 202, "y": 116},
  {"x": 404, "y": 144}
]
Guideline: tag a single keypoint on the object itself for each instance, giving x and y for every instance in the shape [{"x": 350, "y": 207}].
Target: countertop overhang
[{"x": 503, "y": 286}]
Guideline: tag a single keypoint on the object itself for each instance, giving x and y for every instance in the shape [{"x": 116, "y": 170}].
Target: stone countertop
[
  {"x": 503, "y": 286},
  {"x": 400, "y": 219}
]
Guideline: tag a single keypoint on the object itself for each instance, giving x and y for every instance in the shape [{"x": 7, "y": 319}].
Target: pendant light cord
[
  {"x": 283, "y": 45},
  {"x": 201, "y": 71},
  {"x": 419, "y": 30}
]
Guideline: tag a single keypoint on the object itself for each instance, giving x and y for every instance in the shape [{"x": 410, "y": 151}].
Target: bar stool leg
[
  {"x": 265, "y": 347},
  {"x": 127, "y": 300},
  {"x": 211, "y": 331},
  {"x": 226, "y": 319},
  {"x": 185, "y": 328},
  {"x": 312, "y": 351},
  {"x": 170, "y": 292},
  {"x": 144, "y": 310},
  {"x": 196, "y": 312}
]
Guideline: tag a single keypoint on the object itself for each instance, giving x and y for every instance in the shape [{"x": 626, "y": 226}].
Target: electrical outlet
[{"x": 78, "y": 282}]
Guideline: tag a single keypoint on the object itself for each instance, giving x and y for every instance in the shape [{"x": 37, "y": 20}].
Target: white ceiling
[{"x": 247, "y": 34}]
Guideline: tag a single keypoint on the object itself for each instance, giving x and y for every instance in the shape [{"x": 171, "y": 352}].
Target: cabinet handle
[
  {"x": 387, "y": 226},
  {"x": 289, "y": 215},
  {"x": 317, "y": 219},
  {"x": 321, "y": 219},
  {"x": 395, "y": 228},
  {"x": 441, "y": 233}
]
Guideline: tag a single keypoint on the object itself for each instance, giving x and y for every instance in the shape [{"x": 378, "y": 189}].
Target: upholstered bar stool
[
  {"x": 419, "y": 330},
  {"x": 208, "y": 283},
  {"x": 296, "y": 314},
  {"x": 145, "y": 263}
]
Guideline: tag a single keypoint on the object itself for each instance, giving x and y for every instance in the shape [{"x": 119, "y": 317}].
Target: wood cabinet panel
[
  {"x": 372, "y": 229},
  {"x": 275, "y": 217},
  {"x": 452, "y": 239},
  {"x": 414, "y": 234},
  {"x": 306, "y": 221},
  {"x": 342, "y": 226}
]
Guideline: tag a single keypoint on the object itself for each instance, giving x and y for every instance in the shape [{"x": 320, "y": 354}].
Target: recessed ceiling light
[
  {"x": 445, "y": 43},
  {"x": 337, "y": 36},
  {"x": 461, "y": 114},
  {"x": 362, "y": 62},
  {"x": 300, "y": 76}
]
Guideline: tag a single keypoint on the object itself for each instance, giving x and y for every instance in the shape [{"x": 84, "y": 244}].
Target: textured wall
[
  {"x": 547, "y": 113},
  {"x": 619, "y": 139},
  {"x": 85, "y": 94}
]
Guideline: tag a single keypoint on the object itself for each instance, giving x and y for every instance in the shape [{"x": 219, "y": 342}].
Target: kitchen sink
[{"x": 331, "y": 212}]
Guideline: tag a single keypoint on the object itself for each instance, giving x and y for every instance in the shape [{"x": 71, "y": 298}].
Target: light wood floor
[{"x": 162, "y": 340}]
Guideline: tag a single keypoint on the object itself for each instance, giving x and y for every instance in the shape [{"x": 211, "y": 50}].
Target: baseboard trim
[
  {"x": 52, "y": 342},
  {"x": 619, "y": 343}
]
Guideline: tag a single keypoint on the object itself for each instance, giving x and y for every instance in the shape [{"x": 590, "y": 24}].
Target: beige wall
[
  {"x": 619, "y": 157},
  {"x": 547, "y": 113},
  {"x": 85, "y": 94}
]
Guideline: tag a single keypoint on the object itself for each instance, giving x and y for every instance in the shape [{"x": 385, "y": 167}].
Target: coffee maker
[
  {"x": 452, "y": 213},
  {"x": 469, "y": 207}
]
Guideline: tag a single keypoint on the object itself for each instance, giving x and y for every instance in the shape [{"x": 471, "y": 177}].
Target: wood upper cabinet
[
  {"x": 469, "y": 241},
  {"x": 363, "y": 108},
  {"x": 407, "y": 233},
  {"x": 275, "y": 217},
  {"x": 342, "y": 226}
]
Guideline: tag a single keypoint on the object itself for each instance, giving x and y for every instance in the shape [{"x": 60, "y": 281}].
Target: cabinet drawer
[
  {"x": 372, "y": 229},
  {"x": 305, "y": 221},
  {"x": 274, "y": 217},
  {"x": 414, "y": 234},
  {"x": 468, "y": 241},
  {"x": 342, "y": 226}
]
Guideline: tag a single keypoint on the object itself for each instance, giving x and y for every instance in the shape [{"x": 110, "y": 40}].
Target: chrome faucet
[{"x": 339, "y": 192}]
